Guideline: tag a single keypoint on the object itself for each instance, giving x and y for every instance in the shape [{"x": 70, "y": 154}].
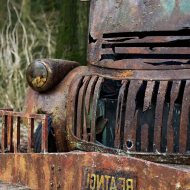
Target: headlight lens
[{"x": 37, "y": 74}]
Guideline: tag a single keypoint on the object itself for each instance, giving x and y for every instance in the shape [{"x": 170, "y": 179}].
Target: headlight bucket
[{"x": 42, "y": 74}]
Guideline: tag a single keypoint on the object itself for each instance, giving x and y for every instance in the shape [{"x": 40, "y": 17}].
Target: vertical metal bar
[
  {"x": 170, "y": 131},
  {"x": 4, "y": 133},
  {"x": 131, "y": 117},
  {"x": 10, "y": 133},
  {"x": 94, "y": 108},
  {"x": 148, "y": 95},
  {"x": 32, "y": 134},
  {"x": 80, "y": 106},
  {"x": 74, "y": 94},
  {"x": 184, "y": 119},
  {"x": 45, "y": 134},
  {"x": 144, "y": 138},
  {"x": 159, "y": 115},
  {"x": 89, "y": 93},
  {"x": 29, "y": 135},
  {"x": 17, "y": 136},
  {"x": 119, "y": 114},
  {"x": 85, "y": 134}
]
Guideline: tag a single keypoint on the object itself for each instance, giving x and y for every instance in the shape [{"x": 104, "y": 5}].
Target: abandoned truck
[{"x": 120, "y": 123}]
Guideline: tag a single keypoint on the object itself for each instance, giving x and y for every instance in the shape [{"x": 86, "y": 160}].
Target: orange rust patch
[{"x": 126, "y": 73}]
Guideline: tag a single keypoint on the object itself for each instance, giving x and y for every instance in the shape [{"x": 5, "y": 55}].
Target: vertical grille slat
[
  {"x": 130, "y": 129},
  {"x": 94, "y": 108},
  {"x": 74, "y": 94},
  {"x": 147, "y": 115},
  {"x": 145, "y": 138},
  {"x": 85, "y": 134},
  {"x": 119, "y": 114},
  {"x": 170, "y": 130},
  {"x": 184, "y": 119},
  {"x": 80, "y": 117},
  {"x": 159, "y": 115},
  {"x": 148, "y": 95},
  {"x": 89, "y": 93}
]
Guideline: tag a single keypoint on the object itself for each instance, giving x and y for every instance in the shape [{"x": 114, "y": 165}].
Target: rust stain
[{"x": 126, "y": 73}]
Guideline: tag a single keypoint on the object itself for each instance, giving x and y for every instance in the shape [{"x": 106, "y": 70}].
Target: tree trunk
[
  {"x": 82, "y": 30},
  {"x": 73, "y": 31}
]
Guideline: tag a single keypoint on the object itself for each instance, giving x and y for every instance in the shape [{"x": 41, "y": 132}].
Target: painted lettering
[
  {"x": 123, "y": 179},
  {"x": 129, "y": 183},
  {"x": 100, "y": 182},
  {"x": 113, "y": 187},
  {"x": 93, "y": 181},
  {"x": 107, "y": 180},
  {"x": 88, "y": 179}
]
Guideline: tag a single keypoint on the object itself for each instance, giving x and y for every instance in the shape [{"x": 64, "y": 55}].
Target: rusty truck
[{"x": 120, "y": 123}]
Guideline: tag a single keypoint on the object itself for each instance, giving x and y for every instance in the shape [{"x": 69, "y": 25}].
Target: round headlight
[
  {"x": 37, "y": 74},
  {"x": 43, "y": 74}
]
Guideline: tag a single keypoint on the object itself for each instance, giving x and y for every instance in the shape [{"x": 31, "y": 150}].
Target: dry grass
[{"x": 19, "y": 45}]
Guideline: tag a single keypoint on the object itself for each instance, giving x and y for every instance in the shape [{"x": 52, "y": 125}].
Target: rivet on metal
[
  {"x": 58, "y": 185},
  {"x": 59, "y": 169}
]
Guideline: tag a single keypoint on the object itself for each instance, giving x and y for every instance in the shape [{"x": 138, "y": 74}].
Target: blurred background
[{"x": 31, "y": 29}]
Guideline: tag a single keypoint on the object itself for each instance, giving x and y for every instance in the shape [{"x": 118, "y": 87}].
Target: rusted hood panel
[{"x": 138, "y": 15}]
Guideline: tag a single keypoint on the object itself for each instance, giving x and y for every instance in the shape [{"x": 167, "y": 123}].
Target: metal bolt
[
  {"x": 59, "y": 168},
  {"x": 52, "y": 167},
  {"x": 51, "y": 183},
  {"x": 58, "y": 185}
]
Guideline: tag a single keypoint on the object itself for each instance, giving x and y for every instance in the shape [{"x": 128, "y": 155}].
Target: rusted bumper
[{"x": 80, "y": 170}]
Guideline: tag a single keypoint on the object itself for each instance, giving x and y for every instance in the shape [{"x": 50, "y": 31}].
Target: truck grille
[
  {"x": 153, "y": 50},
  {"x": 150, "y": 116}
]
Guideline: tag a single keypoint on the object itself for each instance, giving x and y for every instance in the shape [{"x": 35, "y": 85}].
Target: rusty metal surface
[
  {"x": 145, "y": 138},
  {"x": 161, "y": 75},
  {"x": 157, "y": 78},
  {"x": 57, "y": 69},
  {"x": 53, "y": 102},
  {"x": 131, "y": 116},
  {"x": 148, "y": 95},
  {"x": 119, "y": 114},
  {"x": 66, "y": 171},
  {"x": 184, "y": 119},
  {"x": 80, "y": 106},
  {"x": 139, "y": 27},
  {"x": 7, "y": 124},
  {"x": 96, "y": 95},
  {"x": 9, "y": 186},
  {"x": 159, "y": 115},
  {"x": 7, "y": 139},
  {"x": 89, "y": 93},
  {"x": 170, "y": 130}
]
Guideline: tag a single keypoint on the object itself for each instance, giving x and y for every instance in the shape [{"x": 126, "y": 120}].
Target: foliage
[
  {"x": 19, "y": 45},
  {"x": 29, "y": 29}
]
